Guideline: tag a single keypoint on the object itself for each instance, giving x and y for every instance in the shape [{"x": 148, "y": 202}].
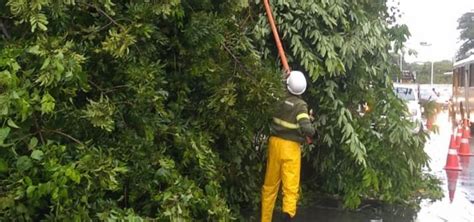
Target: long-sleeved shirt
[{"x": 291, "y": 120}]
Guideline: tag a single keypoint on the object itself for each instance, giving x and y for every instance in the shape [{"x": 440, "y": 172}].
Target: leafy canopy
[
  {"x": 466, "y": 26},
  {"x": 159, "y": 109}
]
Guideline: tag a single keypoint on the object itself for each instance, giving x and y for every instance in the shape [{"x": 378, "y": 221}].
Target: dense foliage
[
  {"x": 158, "y": 109},
  {"x": 345, "y": 49},
  {"x": 466, "y": 26}
]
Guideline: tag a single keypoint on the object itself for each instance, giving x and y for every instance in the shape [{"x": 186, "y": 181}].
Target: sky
[{"x": 434, "y": 22}]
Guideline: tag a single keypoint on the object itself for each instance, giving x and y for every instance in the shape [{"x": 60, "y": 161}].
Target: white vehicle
[
  {"x": 428, "y": 95},
  {"x": 409, "y": 94}
]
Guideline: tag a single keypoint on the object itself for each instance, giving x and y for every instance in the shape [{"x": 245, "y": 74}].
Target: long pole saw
[{"x": 281, "y": 51}]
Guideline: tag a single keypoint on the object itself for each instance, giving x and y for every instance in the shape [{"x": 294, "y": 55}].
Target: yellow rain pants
[{"x": 283, "y": 164}]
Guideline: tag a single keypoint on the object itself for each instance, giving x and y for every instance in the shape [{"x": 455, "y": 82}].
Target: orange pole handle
[{"x": 281, "y": 51}]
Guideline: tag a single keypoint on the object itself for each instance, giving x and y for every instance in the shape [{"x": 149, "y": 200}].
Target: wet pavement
[{"x": 458, "y": 187}]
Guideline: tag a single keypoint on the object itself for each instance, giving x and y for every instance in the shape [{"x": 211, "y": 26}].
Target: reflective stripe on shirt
[
  {"x": 302, "y": 116},
  {"x": 285, "y": 124}
]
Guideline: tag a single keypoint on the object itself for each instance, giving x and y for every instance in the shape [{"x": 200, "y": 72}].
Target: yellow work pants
[{"x": 283, "y": 163}]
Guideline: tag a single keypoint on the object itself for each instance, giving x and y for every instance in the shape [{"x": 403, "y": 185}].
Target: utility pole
[
  {"x": 432, "y": 73},
  {"x": 401, "y": 65},
  {"x": 432, "y": 62}
]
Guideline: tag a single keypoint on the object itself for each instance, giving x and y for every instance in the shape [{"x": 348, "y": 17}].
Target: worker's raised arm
[{"x": 304, "y": 121}]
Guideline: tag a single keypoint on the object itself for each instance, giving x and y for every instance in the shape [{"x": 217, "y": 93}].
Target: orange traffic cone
[
  {"x": 465, "y": 149},
  {"x": 452, "y": 161},
  {"x": 466, "y": 133},
  {"x": 458, "y": 137},
  {"x": 467, "y": 128},
  {"x": 452, "y": 181}
]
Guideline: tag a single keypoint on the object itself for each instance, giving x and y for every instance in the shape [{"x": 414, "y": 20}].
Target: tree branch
[
  {"x": 6, "y": 17},
  {"x": 4, "y": 30},
  {"x": 238, "y": 62},
  {"x": 105, "y": 26},
  {"x": 38, "y": 129},
  {"x": 96, "y": 86},
  {"x": 108, "y": 90},
  {"x": 103, "y": 13},
  {"x": 65, "y": 135},
  {"x": 115, "y": 88}
]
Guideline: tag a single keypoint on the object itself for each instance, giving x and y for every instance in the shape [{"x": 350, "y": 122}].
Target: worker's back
[{"x": 285, "y": 121}]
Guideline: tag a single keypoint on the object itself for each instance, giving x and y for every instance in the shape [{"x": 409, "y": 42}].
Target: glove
[{"x": 311, "y": 117}]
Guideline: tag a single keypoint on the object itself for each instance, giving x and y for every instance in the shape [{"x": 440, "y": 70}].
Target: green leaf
[
  {"x": 12, "y": 124},
  {"x": 42, "y": 26},
  {"x": 6, "y": 202},
  {"x": 37, "y": 155},
  {"x": 47, "y": 103},
  {"x": 3, "y": 134},
  {"x": 24, "y": 163},
  {"x": 3, "y": 165},
  {"x": 33, "y": 143},
  {"x": 34, "y": 50},
  {"x": 73, "y": 174},
  {"x": 28, "y": 181},
  {"x": 43, "y": 188},
  {"x": 55, "y": 193},
  {"x": 4, "y": 110},
  {"x": 243, "y": 3},
  {"x": 15, "y": 66},
  {"x": 46, "y": 63},
  {"x": 59, "y": 66},
  {"x": 30, "y": 190}
]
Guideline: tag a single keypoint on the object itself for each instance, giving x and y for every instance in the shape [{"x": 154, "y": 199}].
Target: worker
[{"x": 291, "y": 124}]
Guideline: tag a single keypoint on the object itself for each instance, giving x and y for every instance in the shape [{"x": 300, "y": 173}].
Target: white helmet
[{"x": 296, "y": 83}]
